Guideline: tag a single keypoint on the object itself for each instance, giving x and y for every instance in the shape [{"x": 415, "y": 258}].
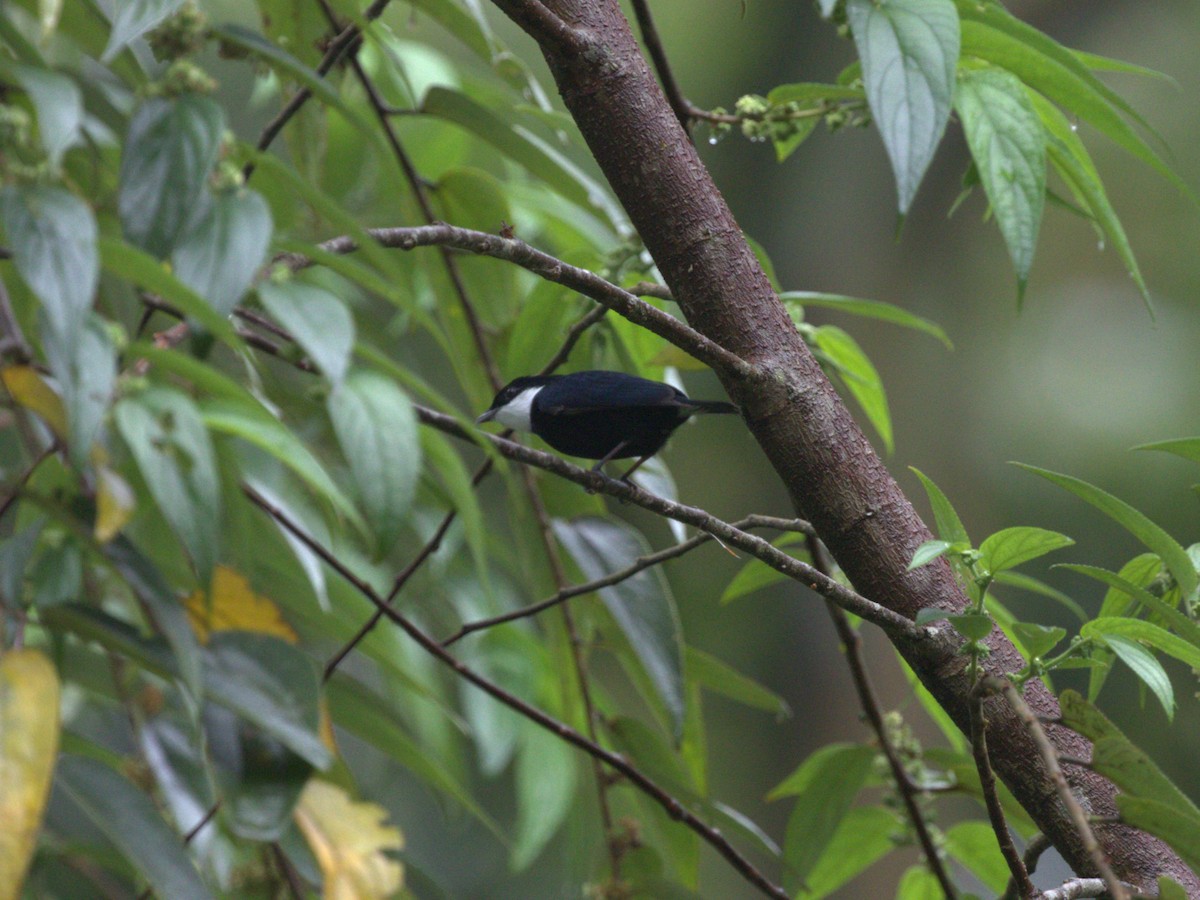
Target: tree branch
[
  {"x": 641, "y": 11},
  {"x": 552, "y": 269},
  {"x": 670, "y": 804},
  {"x": 897, "y": 626}
]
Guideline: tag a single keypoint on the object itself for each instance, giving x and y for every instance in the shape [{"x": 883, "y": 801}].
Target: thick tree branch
[
  {"x": 616, "y": 761},
  {"x": 833, "y": 476}
]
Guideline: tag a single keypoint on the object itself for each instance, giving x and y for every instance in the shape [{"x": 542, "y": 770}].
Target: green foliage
[{"x": 220, "y": 459}]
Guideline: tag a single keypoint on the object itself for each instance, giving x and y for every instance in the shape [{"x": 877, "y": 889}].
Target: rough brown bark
[{"x": 832, "y": 474}]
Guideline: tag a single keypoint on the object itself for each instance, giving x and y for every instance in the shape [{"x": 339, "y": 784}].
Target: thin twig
[
  {"x": 403, "y": 576},
  {"x": 635, "y": 776},
  {"x": 552, "y": 269},
  {"x": 187, "y": 839},
  {"x": 15, "y": 491},
  {"x": 638, "y": 565},
  {"x": 891, "y": 622},
  {"x": 991, "y": 799},
  {"x": 867, "y": 699},
  {"x": 680, "y": 106},
  {"x": 1038, "y": 844},
  {"x": 1076, "y": 890},
  {"x": 1050, "y": 757},
  {"x": 574, "y": 333},
  {"x": 11, "y": 335},
  {"x": 346, "y": 41}
]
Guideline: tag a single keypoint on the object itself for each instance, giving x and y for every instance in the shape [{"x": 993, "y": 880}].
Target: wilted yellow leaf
[
  {"x": 235, "y": 607},
  {"x": 348, "y": 839},
  {"x": 115, "y": 503},
  {"x": 28, "y": 748},
  {"x": 30, "y": 390}
]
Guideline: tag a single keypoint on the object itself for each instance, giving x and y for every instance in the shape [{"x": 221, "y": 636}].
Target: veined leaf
[
  {"x": 909, "y": 50},
  {"x": 859, "y": 376},
  {"x": 1155, "y": 538},
  {"x": 318, "y": 321},
  {"x": 1009, "y": 148},
  {"x": 1010, "y": 547},
  {"x": 871, "y": 309},
  {"x": 1148, "y": 670},
  {"x": 220, "y": 256},
  {"x": 949, "y": 525},
  {"x": 133, "y": 18}
]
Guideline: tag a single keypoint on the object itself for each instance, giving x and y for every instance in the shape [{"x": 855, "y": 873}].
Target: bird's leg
[
  {"x": 634, "y": 468},
  {"x": 598, "y": 468}
]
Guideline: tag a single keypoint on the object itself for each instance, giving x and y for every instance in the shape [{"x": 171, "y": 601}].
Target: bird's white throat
[{"x": 517, "y": 412}]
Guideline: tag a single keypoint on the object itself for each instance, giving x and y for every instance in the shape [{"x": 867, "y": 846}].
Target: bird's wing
[{"x": 589, "y": 392}]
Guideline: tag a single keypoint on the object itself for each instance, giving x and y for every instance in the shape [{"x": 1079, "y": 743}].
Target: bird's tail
[{"x": 712, "y": 406}]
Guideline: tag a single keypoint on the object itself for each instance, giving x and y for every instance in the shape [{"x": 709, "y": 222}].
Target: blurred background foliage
[{"x": 1071, "y": 381}]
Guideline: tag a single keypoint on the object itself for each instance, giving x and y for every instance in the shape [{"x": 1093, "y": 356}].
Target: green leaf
[
  {"x": 721, "y": 678},
  {"x": 1035, "y": 586},
  {"x": 909, "y": 49},
  {"x": 1010, "y": 547},
  {"x": 219, "y": 257},
  {"x": 377, "y": 431},
  {"x": 372, "y": 718},
  {"x": 1184, "y": 627},
  {"x": 86, "y": 369},
  {"x": 1072, "y": 161},
  {"x": 972, "y": 626},
  {"x": 973, "y": 844},
  {"x": 545, "y": 785},
  {"x": 1170, "y": 890},
  {"x": 133, "y": 18},
  {"x": 318, "y": 321},
  {"x": 268, "y": 682},
  {"x": 130, "y": 820},
  {"x": 1173, "y": 556},
  {"x": 918, "y": 883},
  {"x": 522, "y": 147},
  {"x": 1176, "y": 827},
  {"x": 1148, "y": 669},
  {"x": 756, "y": 574},
  {"x": 252, "y": 422},
  {"x": 128, "y": 262},
  {"x": 786, "y": 146},
  {"x": 871, "y": 309},
  {"x": 1037, "y": 640},
  {"x": 864, "y": 835},
  {"x": 824, "y": 786},
  {"x": 59, "y": 105},
  {"x": 1187, "y": 448},
  {"x": 169, "y": 151},
  {"x": 1140, "y": 630},
  {"x": 1116, "y": 758},
  {"x": 171, "y": 446},
  {"x": 949, "y": 525},
  {"x": 859, "y": 375},
  {"x": 1054, "y": 71},
  {"x": 52, "y": 235},
  {"x": 1008, "y": 145},
  {"x": 927, "y": 553},
  {"x": 642, "y": 605},
  {"x": 162, "y": 607}
]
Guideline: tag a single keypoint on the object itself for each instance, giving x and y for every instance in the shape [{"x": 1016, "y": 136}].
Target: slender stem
[
  {"x": 15, "y": 491},
  {"x": 991, "y": 799},
  {"x": 869, "y": 701},
  {"x": 1050, "y": 757},
  {"x": 635, "y": 776},
  {"x": 682, "y": 109},
  {"x": 638, "y": 565}
]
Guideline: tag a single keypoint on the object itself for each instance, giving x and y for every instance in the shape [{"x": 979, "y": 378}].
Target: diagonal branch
[
  {"x": 616, "y": 761},
  {"x": 896, "y": 625},
  {"x": 654, "y": 46},
  {"x": 553, "y": 269}
]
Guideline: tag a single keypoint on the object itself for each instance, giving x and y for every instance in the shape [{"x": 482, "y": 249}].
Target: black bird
[{"x": 598, "y": 415}]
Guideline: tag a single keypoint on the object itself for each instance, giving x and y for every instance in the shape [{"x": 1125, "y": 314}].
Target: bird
[{"x": 598, "y": 414}]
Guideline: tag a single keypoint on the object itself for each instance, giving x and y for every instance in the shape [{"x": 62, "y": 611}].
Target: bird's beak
[{"x": 486, "y": 417}]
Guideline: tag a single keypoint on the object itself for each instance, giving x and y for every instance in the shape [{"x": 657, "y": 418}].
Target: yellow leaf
[
  {"x": 348, "y": 839},
  {"x": 30, "y": 390},
  {"x": 28, "y": 747},
  {"x": 235, "y": 607},
  {"x": 115, "y": 503}
]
